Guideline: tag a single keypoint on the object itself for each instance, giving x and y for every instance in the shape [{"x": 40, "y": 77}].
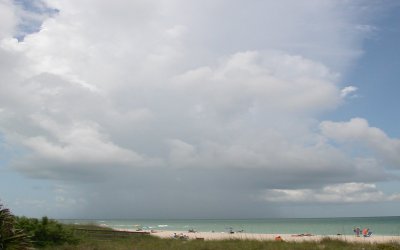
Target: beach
[
  {"x": 284, "y": 237},
  {"x": 384, "y": 229},
  {"x": 382, "y": 226}
]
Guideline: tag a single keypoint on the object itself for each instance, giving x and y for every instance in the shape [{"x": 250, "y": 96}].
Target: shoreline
[{"x": 271, "y": 237}]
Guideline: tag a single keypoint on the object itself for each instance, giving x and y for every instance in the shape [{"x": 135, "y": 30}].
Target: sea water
[{"x": 320, "y": 226}]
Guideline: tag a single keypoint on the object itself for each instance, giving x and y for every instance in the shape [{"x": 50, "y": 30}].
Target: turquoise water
[{"x": 321, "y": 226}]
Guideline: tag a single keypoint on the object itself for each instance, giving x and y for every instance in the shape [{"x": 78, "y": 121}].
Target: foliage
[
  {"x": 46, "y": 231},
  {"x": 150, "y": 243},
  {"x": 388, "y": 246},
  {"x": 10, "y": 236}
]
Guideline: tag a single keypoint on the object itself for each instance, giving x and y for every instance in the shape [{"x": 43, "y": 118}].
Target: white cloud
[
  {"x": 81, "y": 143},
  {"x": 348, "y": 91},
  {"x": 8, "y": 19},
  {"x": 261, "y": 81},
  {"x": 339, "y": 193},
  {"x": 139, "y": 94},
  {"x": 357, "y": 131}
]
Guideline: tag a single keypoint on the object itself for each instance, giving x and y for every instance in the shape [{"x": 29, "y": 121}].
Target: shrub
[
  {"x": 10, "y": 236},
  {"x": 46, "y": 231}
]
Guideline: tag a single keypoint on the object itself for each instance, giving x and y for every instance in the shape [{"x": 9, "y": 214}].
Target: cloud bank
[
  {"x": 339, "y": 193},
  {"x": 180, "y": 106}
]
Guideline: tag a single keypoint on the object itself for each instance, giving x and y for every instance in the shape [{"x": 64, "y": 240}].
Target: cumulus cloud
[
  {"x": 339, "y": 193},
  {"x": 8, "y": 18},
  {"x": 261, "y": 82},
  {"x": 149, "y": 98},
  {"x": 348, "y": 91},
  {"x": 357, "y": 131}
]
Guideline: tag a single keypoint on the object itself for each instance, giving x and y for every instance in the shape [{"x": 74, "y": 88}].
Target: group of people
[
  {"x": 364, "y": 232},
  {"x": 180, "y": 236}
]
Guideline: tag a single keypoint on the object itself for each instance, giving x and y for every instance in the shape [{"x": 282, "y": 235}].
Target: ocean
[{"x": 320, "y": 226}]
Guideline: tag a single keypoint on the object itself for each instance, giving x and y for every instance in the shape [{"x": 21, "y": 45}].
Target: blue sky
[
  {"x": 177, "y": 109},
  {"x": 377, "y": 76}
]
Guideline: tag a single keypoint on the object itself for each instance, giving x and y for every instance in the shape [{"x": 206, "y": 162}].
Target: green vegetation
[
  {"x": 46, "y": 232},
  {"x": 21, "y": 233},
  {"x": 10, "y": 236},
  {"x": 147, "y": 242}
]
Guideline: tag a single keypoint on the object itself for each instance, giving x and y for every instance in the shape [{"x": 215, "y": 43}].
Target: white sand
[{"x": 285, "y": 237}]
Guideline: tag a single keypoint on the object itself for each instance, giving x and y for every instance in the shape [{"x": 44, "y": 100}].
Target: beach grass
[{"x": 148, "y": 242}]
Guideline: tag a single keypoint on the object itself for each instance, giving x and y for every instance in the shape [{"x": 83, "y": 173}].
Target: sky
[{"x": 199, "y": 109}]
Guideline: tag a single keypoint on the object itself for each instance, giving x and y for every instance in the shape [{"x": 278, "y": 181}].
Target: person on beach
[
  {"x": 366, "y": 232},
  {"x": 357, "y": 231}
]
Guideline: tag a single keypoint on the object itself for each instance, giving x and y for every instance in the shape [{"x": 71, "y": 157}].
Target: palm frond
[{"x": 10, "y": 237}]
